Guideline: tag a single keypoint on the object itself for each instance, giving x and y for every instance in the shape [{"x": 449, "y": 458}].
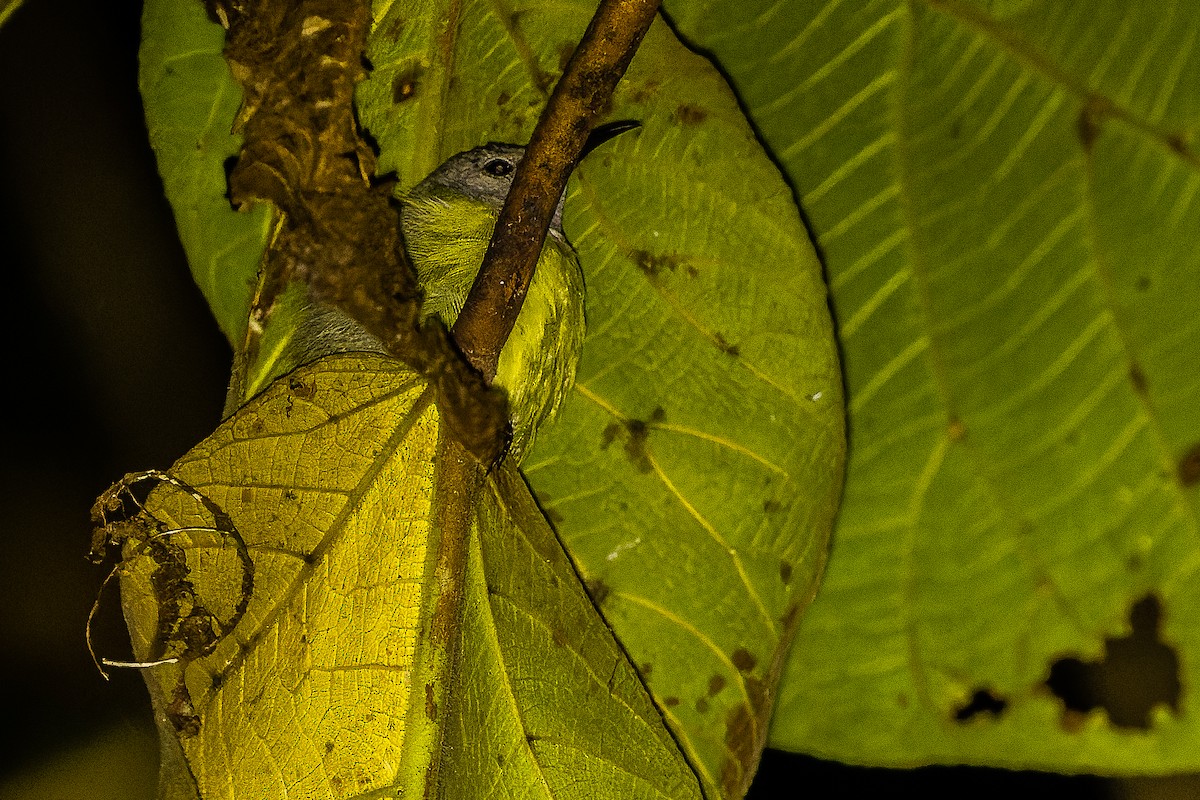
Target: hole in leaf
[
  {"x": 230, "y": 165},
  {"x": 373, "y": 144},
  {"x": 1137, "y": 673},
  {"x": 982, "y": 702}
]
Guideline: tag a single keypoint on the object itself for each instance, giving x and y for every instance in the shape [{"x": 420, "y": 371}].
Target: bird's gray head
[{"x": 486, "y": 174}]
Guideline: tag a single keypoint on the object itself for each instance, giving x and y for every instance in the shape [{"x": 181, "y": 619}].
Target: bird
[{"x": 447, "y": 220}]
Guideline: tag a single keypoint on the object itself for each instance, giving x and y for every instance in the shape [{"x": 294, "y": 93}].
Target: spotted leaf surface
[
  {"x": 289, "y": 574},
  {"x": 1006, "y": 195}
]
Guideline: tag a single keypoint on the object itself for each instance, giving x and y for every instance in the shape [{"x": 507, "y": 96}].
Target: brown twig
[
  {"x": 338, "y": 233},
  {"x": 596, "y": 66}
]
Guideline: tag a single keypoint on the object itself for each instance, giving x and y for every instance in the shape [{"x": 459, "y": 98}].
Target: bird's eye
[{"x": 498, "y": 167}]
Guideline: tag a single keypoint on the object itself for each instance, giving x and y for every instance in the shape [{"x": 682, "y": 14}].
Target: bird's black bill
[{"x": 603, "y": 133}]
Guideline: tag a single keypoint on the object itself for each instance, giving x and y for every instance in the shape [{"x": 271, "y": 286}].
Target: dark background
[{"x": 114, "y": 365}]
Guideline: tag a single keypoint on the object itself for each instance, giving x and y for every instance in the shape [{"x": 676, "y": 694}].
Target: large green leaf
[
  {"x": 191, "y": 100},
  {"x": 693, "y": 473},
  {"x": 1006, "y": 195},
  {"x": 290, "y": 573}
]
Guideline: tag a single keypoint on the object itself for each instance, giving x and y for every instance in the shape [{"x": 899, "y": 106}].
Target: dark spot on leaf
[
  {"x": 1143, "y": 284},
  {"x": 1189, "y": 466},
  {"x": 1091, "y": 117},
  {"x": 702, "y": 706},
  {"x": 430, "y": 703},
  {"x": 956, "y": 128},
  {"x": 1137, "y": 378},
  {"x": 902, "y": 701},
  {"x": 559, "y": 637},
  {"x": 957, "y": 430},
  {"x": 670, "y": 702},
  {"x": 290, "y": 495},
  {"x": 688, "y": 114},
  {"x": 790, "y": 615},
  {"x": 503, "y": 98},
  {"x": 1137, "y": 673},
  {"x": 744, "y": 660},
  {"x": 532, "y": 737},
  {"x": 982, "y": 702},
  {"x": 1178, "y": 143},
  {"x": 247, "y": 494},
  {"x": 771, "y": 506},
  {"x": 635, "y": 444},
  {"x": 785, "y": 571},
  {"x": 692, "y": 271},
  {"x": 739, "y": 741},
  {"x": 611, "y": 432},
  {"x": 500, "y": 759},
  {"x": 328, "y": 747},
  {"x": 646, "y": 669},
  {"x": 643, "y": 92},
  {"x": 396, "y": 27},
  {"x": 653, "y": 264},
  {"x": 715, "y": 684},
  {"x": 598, "y": 590},
  {"x": 301, "y": 389},
  {"x": 555, "y": 517},
  {"x": 725, "y": 347},
  {"x": 406, "y": 83},
  {"x": 658, "y": 415},
  {"x": 565, "y": 51}
]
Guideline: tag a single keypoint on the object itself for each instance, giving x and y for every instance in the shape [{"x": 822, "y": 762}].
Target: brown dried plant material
[{"x": 298, "y": 63}]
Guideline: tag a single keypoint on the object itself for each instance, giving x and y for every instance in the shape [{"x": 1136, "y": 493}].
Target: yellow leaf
[{"x": 303, "y": 581}]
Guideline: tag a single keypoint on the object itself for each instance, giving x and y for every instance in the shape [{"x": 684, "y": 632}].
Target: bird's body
[
  {"x": 446, "y": 234},
  {"x": 447, "y": 221}
]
